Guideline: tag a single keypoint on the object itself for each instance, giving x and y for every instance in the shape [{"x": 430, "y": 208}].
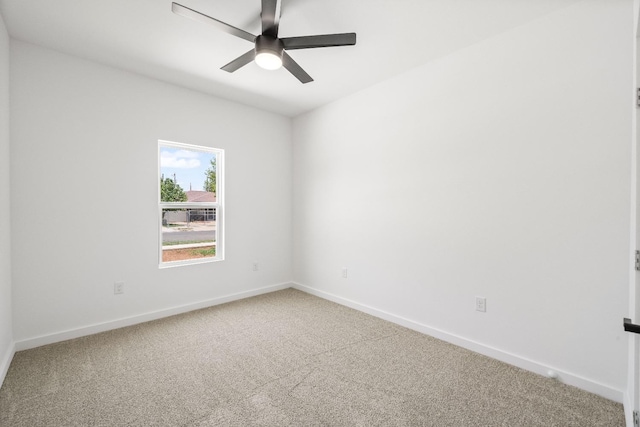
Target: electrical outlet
[
  {"x": 118, "y": 288},
  {"x": 254, "y": 266},
  {"x": 344, "y": 273},
  {"x": 481, "y": 304}
]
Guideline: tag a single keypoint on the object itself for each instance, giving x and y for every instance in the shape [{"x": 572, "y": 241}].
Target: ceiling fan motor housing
[{"x": 266, "y": 44}]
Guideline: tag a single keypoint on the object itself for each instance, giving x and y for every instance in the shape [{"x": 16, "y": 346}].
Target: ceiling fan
[{"x": 269, "y": 51}]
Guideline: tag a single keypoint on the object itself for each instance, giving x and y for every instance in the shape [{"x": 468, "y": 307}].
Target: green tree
[
  {"x": 210, "y": 177},
  {"x": 170, "y": 191}
]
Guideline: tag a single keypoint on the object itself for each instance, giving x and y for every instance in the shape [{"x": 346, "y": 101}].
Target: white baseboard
[
  {"x": 6, "y": 361},
  {"x": 512, "y": 359},
  {"x": 141, "y": 318}
]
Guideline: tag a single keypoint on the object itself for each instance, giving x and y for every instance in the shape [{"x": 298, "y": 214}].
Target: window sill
[{"x": 195, "y": 261}]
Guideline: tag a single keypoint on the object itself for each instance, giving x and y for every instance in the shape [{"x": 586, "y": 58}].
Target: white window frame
[{"x": 218, "y": 205}]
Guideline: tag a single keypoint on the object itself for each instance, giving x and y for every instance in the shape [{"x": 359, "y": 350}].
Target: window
[{"x": 190, "y": 208}]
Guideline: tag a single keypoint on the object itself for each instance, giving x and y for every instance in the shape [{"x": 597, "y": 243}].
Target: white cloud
[
  {"x": 186, "y": 154},
  {"x": 181, "y": 159}
]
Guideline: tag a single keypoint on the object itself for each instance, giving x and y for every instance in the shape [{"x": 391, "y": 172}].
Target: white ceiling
[{"x": 145, "y": 37}]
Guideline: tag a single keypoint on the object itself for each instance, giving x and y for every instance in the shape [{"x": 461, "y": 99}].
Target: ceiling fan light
[{"x": 268, "y": 60}]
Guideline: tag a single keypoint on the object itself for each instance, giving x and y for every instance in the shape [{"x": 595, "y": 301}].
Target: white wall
[
  {"x": 84, "y": 194},
  {"x": 6, "y": 335},
  {"x": 501, "y": 171}
]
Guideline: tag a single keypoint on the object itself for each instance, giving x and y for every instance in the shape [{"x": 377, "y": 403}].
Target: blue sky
[{"x": 188, "y": 166}]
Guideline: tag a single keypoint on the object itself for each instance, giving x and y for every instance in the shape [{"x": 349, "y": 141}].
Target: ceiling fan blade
[
  {"x": 181, "y": 10},
  {"x": 295, "y": 69},
  {"x": 270, "y": 17},
  {"x": 325, "y": 40},
  {"x": 240, "y": 61}
]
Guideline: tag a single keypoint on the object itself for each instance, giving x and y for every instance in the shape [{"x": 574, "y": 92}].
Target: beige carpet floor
[{"x": 281, "y": 359}]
